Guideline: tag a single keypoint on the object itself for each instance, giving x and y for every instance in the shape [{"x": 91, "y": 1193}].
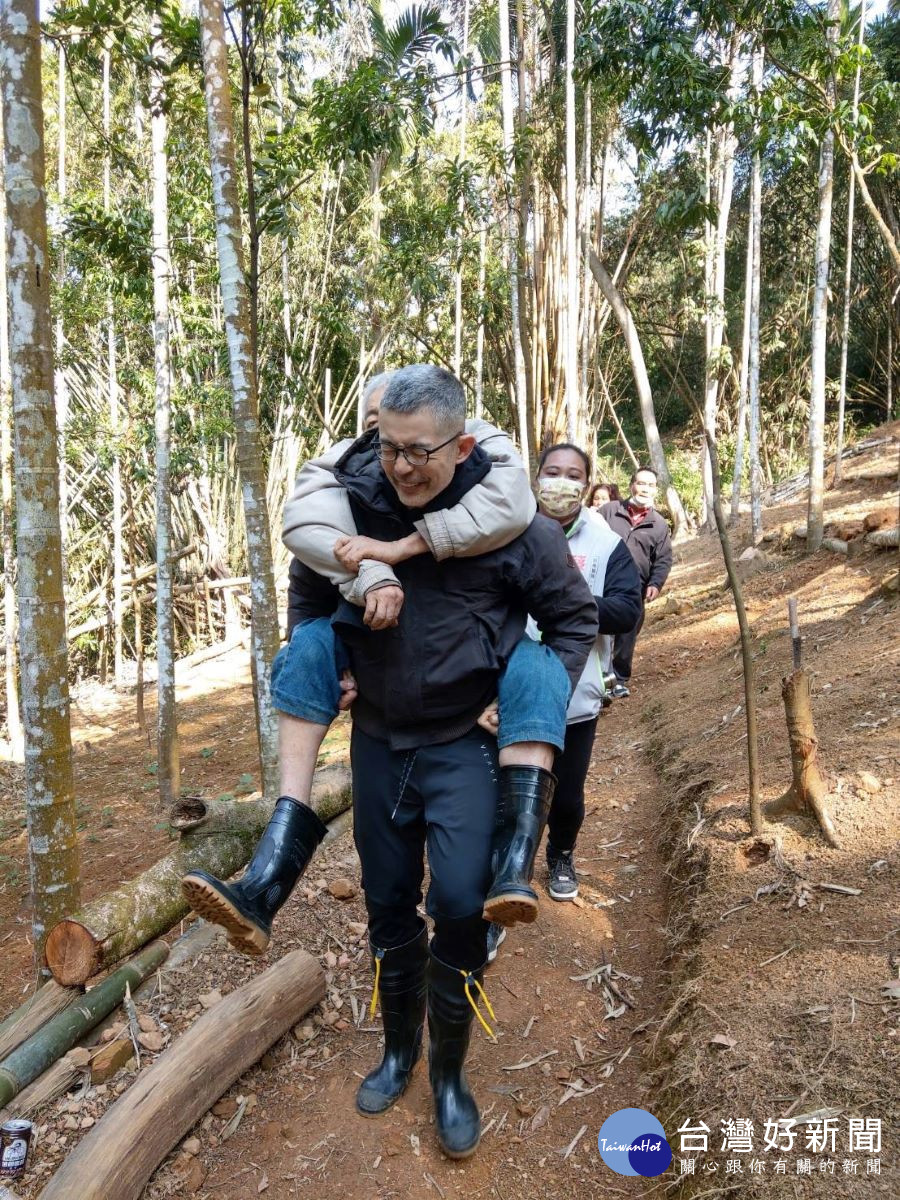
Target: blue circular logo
[{"x": 633, "y": 1142}]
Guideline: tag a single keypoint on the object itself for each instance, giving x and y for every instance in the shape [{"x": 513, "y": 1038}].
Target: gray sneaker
[
  {"x": 563, "y": 880},
  {"x": 496, "y": 935}
]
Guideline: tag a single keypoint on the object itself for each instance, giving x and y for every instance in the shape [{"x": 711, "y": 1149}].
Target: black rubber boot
[
  {"x": 245, "y": 909},
  {"x": 400, "y": 973},
  {"x": 525, "y": 797},
  {"x": 450, "y": 1014}
]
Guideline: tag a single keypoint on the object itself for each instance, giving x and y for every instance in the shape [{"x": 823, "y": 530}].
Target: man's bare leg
[
  {"x": 298, "y": 750},
  {"x": 527, "y": 754}
]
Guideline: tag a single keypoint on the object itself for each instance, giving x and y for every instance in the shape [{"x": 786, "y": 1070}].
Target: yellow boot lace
[
  {"x": 470, "y": 979},
  {"x": 379, "y": 955}
]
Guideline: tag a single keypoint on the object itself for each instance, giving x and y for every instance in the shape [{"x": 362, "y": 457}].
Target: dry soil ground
[{"x": 753, "y": 992}]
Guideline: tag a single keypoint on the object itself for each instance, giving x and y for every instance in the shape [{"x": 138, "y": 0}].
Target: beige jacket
[{"x": 489, "y": 516}]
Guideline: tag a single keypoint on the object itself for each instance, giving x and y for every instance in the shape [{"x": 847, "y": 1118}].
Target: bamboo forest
[{"x": 306, "y": 310}]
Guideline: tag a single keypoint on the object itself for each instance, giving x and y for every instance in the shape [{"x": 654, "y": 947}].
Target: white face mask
[{"x": 559, "y": 496}]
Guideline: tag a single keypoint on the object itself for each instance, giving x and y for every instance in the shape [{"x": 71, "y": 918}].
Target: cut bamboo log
[
  {"x": 109, "y": 928},
  {"x": 118, "y": 1156},
  {"x": 62, "y": 1031},
  {"x": 58, "y": 1078},
  {"x": 30, "y": 1016}
]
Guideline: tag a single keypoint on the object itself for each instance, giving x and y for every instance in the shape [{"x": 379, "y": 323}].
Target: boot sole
[
  {"x": 511, "y": 910},
  {"x": 213, "y": 907},
  {"x": 459, "y": 1154}
]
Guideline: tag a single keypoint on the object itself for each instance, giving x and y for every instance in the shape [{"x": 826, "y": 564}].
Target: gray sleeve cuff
[{"x": 371, "y": 573}]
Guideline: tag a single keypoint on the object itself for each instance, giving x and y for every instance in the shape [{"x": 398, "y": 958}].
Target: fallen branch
[
  {"x": 218, "y": 839},
  {"x": 118, "y": 1156}
]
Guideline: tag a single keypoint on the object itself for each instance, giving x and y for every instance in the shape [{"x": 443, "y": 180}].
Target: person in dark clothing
[
  {"x": 425, "y": 775},
  {"x": 646, "y": 534}
]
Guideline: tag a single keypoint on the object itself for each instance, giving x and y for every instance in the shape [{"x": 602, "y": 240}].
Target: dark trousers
[
  {"x": 570, "y": 768},
  {"x": 623, "y": 649},
  {"x": 442, "y": 798}
]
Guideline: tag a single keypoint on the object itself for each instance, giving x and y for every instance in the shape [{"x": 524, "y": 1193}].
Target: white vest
[{"x": 591, "y": 542}]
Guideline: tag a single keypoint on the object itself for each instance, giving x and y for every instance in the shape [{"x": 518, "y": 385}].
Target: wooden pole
[
  {"x": 118, "y": 1156},
  {"x": 796, "y": 645}
]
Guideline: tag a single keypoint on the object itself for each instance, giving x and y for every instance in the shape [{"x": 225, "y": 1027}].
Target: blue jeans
[{"x": 533, "y": 690}]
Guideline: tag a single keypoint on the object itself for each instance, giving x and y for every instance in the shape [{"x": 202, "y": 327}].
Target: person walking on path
[
  {"x": 647, "y": 536},
  {"x": 610, "y": 573}
]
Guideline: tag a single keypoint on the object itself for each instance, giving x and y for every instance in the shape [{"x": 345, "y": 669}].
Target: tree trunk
[
  {"x": 848, "y": 269},
  {"x": 112, "y": 384},
  {"x": 118, "y": 1156},
  {"x": 512, "y": 239},
  {"x": 7, "y": 515},
  {"x": 572, "y": 261},
  {"x": 724, "y": 188},
  {"x": 50, "y": 803},
  {"x": 61, "y": 1032},
  {"x": 747, "y": 663},
  {"x": 815, "y": 518},
  {"x": 755, "y": 289},
  {"x": 463, "y": 118},
  {"x": 167, "y": 748},
  {"x": 264, "y": 616},
  {"x": 479, "y": 334},
  {"x": 60, "y": 383},
  {"x": 742, "y": 382},
  {"x": 642, "y": 383},
  {"x": 220, "y": 841}
]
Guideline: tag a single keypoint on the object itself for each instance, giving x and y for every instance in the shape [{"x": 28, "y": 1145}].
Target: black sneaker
[
  {"x": 563, "y": 880},
  {"x": 496, "y": 935},
  {"x": 620, "y": 691}
]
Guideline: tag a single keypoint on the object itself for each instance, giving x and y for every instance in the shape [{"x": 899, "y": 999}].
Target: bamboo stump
[
  {"x": 118, "y": 1156},
  {"x": 808, "y": 793},
  {"x": 217, "y": 836}
]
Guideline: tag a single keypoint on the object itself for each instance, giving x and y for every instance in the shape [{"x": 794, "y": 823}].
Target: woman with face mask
[{"x": 564, "y": 476}]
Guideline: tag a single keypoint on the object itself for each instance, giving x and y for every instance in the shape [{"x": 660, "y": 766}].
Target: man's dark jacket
[
  {"x": 427, "y": 680},
  {"x": 649, "y": 542}
]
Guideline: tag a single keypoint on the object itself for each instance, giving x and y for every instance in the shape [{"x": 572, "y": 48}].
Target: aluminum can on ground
[{"x": 15, "y": 1142}]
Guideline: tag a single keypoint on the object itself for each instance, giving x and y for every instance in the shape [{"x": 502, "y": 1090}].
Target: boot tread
[{"x": 210, "y": 904}]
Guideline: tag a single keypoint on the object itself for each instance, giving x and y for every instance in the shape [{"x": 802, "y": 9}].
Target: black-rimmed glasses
[{"x": 416, "y": 456}]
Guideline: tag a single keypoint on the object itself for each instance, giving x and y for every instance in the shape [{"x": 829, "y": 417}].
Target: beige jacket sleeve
[
  {"x": 490, "y": 515},
  {"x": 316, "y": 515}
]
